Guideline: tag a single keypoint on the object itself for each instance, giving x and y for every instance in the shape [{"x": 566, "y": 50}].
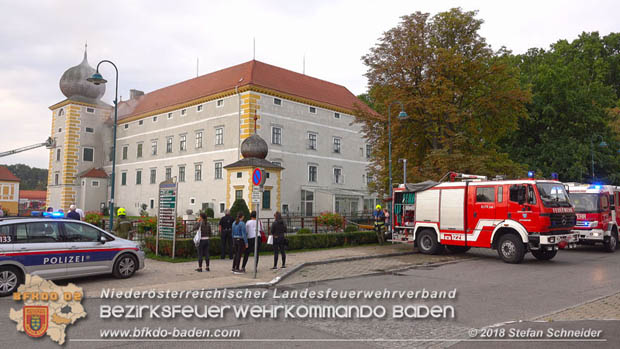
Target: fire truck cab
[
  {"x": 511, "y": 216},
  {"x": 598, "y": 214}
]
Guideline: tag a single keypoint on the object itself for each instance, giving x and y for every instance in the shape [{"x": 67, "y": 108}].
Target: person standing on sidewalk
[
  {"x": 225, "y": 227},
  {"x": 278, "y": 231},
  {"x": 379, "y": 224},
  {"x": 250, "y": 227},
  {"x": 240, "y": 241},
  {"x": 203, "y": 247}
]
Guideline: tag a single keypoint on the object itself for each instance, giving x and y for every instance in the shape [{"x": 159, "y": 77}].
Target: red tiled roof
[
  {"x": 32, "y": 194},
  {"x": 94, "y": 173},
  {"x": 252, "y": 73},
  {"x": 7, "y": 175}
]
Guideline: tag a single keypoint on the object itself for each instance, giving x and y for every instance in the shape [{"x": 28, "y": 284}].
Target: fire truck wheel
[
  {"x": 427, "y": 242},
  {"x": 543, "y": 255},
  {"x": 612, "y": 243},
  {"x": 457, "y": 249},
  {"x": 511, "y": 249}
]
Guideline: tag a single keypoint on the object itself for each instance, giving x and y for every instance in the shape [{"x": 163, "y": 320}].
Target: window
[
  {"x": 181, "y": 173},
  {"x": 141, "y": 122},
  {"x": 192, "y": 201},
  {"x": 531, "y": 195},
  {"x": 198, "y": 140},
  {"x": 58, "y": 154},
  {"x": 76, "y": 232},
  {"x": 168, "y": 173},
  {"x": 183, "y": 112},
  {"x": 198, "y": 172},
  {"x": 153, "y": 147},
  {"x": 219, "y": 136},
  {"x": 218, "y": 170},
  {"x": 60, "y": 130},
  {"x": 183, "y": 143},
  {"x": 312, "y": 171},
  {"x": 88, "y": 154},
  {"x": 124, "y": 178},
  {"x": 307, "y": 199},
  {"x": 125, "y": 150},
  {"x": 126, "y": 126},
  {"x": 37, "y": 232},
  {"x": 169, "y": 115},
  {"x": 219, "y": 103},
  {"x": 61, "y": 112},
  {"x": 139, "y": 150},
  {"x": 153, "y": 177},
  {"x": 267, "y": 200},
  {"x": 90, "y": 110},
  {"x": 90, "y": 130},
  {"x": 604, "y": 202},
  {"x": 169, "y": 145},
  {"x": 336, "y": 145},
  {"x": 276, "y": 135},
  {"x": 154, "y": 118},
  {"x": 312, "y": 110},
  {"x": 312, "y": 141},
  {"x": 139, "y": 177},
  {"x": 222, "y": 207},
  {"x": 485, "y": 194},
  {"x": 277, "y": 101},
  {"x": 239, "y": 174},
  {"x": 94, "y": 184},
  {"x": 284, "y": 208},
  {"x": 199, "y": 108},
  {"x": 56, "y": 178},
  {"x": 368, "y": 150},
  {"x": 152, "y": 203},
  {"x": 337, "y": 115},
  {"x": 500, "y": 194},
  {"x": 238, "y": 194},
  {"x": 338, "y": 176},
  {"x": 368, "y": 178}
]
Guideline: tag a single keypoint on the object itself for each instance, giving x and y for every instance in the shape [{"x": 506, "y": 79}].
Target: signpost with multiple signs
[
  {"x": 258, "y": 179},
  {"x": 167, "y": 213}
]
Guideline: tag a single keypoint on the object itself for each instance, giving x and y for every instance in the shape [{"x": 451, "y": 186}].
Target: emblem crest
[{"x": 36, "y": 319}]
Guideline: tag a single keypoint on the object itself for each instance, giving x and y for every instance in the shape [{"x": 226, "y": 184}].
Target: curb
[{"x": 539, "y": 318}]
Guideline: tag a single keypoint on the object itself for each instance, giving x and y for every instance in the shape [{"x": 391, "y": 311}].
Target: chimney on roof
[{"x": 134, "y": 94}]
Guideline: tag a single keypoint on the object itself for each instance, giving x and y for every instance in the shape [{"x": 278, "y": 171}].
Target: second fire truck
[{"x": 511, "y": 216}]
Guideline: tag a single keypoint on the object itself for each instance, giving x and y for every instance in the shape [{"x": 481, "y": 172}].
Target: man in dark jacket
[
  {"x": 72, "y": 214},
  {"x": 225, "y": 228},
  {"x": 278, "y": 230}
]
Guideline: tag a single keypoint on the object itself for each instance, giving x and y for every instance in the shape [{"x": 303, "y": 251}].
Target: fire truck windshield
[
  {"x": 585, "y": 203},
  {"x": 553, "y": 195}
]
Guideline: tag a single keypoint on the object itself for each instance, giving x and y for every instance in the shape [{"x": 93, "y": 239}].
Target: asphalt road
[{"x": 488, "y": 292}]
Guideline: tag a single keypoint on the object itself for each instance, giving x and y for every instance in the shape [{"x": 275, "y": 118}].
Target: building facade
[
  {"x": 9, "y": 192},
  {"x": 191, "y": 130}
]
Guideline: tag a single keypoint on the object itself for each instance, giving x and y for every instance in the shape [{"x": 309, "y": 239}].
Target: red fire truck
[
  {"x": 512, "y": 216},
  {"x": 598, "y": 214}
]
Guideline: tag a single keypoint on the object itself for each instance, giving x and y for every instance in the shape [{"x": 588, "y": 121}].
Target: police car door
[
  {"x": 88, "y": 254},
  {"x": 40, "y": 248}
]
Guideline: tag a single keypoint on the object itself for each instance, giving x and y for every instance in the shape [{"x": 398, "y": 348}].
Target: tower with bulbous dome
[
  {"x": 239, "y": 184},
  {"x": 79, "y": 128}
]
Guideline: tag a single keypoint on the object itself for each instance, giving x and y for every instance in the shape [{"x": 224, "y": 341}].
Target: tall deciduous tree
[{"x": 460, "y": 95}]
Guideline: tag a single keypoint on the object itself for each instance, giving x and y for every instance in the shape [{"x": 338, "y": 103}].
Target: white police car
[{"x": 61, "y": 248}]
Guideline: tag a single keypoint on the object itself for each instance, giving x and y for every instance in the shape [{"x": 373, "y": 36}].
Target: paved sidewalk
[
  {"x": 182, "y": 276},
  {"x": 606, "y": 308}
]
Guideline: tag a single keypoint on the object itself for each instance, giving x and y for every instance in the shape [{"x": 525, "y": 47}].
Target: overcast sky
[{"x": 156, "y": 43}]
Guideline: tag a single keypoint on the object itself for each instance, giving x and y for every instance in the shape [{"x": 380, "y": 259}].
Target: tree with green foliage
[
  {"x": 575, "y": 87},
  {"x": 31, "y": 178},
  {"x": 460, "y": 95},
  {"x": 240, "y": 206}
]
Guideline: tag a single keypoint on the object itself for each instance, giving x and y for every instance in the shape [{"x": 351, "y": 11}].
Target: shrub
[
  {"x": 304, "y": 231},
  {"x": 333, "y": 221},
  {"x": 350, "y": 228},
  {"x": 147, "y": 224},
  {"x": 209, "y": 212},
  {"x": 93, "y": 218},
  {"x": 240, "y": 205}
]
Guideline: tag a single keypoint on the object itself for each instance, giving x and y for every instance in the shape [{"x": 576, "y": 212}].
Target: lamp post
[
  {"x": 97, "y": 79},
  {"x": 402, "y": 115},
  {"x": 404, "y": 161},
  {"x": 602, "y": 144}
]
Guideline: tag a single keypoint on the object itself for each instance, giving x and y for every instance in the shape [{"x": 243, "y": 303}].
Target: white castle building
[{"x": 192, "y": 130}]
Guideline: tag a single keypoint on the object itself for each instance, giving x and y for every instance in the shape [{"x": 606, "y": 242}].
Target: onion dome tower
[{"x": 74, "y": 86}]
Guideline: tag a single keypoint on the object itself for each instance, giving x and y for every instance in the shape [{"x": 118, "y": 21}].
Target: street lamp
[
  {"x": 404, "y": 161},
  {"x": 402, "y": 115},
  {"x": 602, "y": 144},
  {"x": 97, "y": 79}
]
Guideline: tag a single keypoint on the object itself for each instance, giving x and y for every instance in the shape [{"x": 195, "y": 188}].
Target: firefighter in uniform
[
  {"x": 379, "y": 218},
  {"x": 122, "y": 226}
]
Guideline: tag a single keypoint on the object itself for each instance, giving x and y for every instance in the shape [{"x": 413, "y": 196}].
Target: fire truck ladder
[{"x": 49, "y": 143}]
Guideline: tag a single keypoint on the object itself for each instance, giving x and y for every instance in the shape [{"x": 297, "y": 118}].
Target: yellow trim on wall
[{"x": 228, "y": 174}]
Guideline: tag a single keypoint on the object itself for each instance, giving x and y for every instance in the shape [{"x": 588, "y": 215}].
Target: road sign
[
  {"x": 258, "y": 176},
  {"x": 256, "y": 196},
  {"x": 167, "y": 213}
]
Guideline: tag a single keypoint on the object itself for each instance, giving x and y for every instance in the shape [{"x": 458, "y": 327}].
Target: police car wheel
[
  {"x": 10, "y": 279},
  {"x": 511, "y": 249},
  {"x": 125, "y": 266},
  {"x": 612, "y": 243}
]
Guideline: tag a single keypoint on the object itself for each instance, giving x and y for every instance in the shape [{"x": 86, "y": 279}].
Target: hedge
[{"x": 186, "y": 247}]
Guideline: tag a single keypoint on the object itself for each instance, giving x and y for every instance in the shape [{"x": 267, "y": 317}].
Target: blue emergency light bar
[
  {"x": 530, "y": 174},
  {"x": 53, "y": 214},
  {"x": 554, "y": 176}
]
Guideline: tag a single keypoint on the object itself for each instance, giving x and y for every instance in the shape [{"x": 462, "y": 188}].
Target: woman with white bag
[{"x": 201, "y": 240}]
